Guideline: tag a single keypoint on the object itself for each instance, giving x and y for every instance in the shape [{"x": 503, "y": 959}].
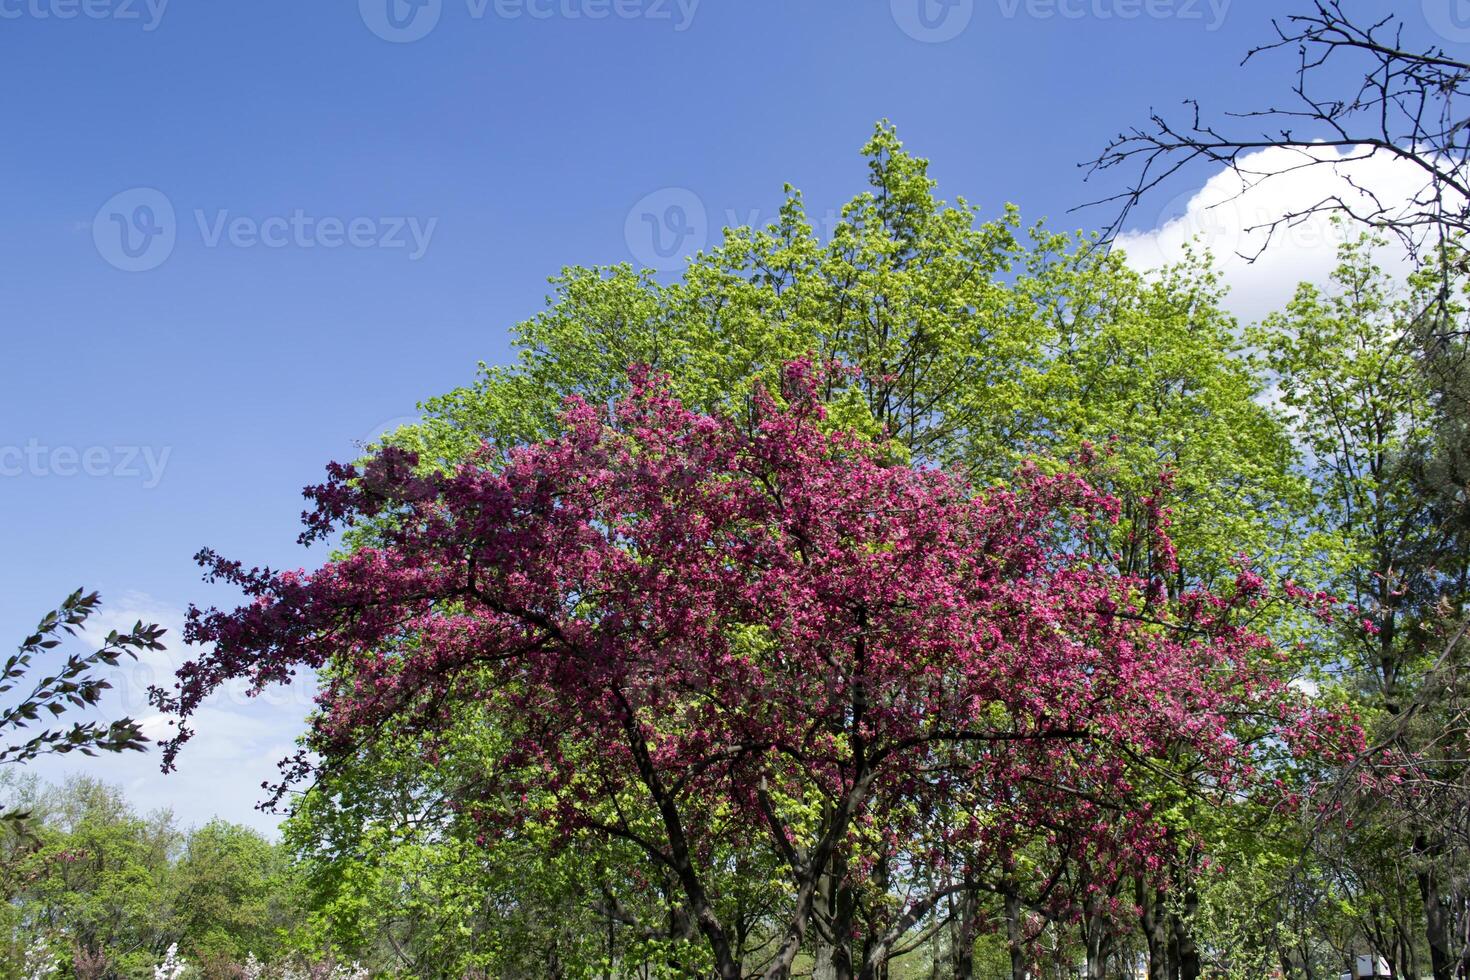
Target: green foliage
[
  {"x": 397, "y": 877},
  {"x": 970, "y": 344},
  {"x": 1348, "y": 376},
  {"x": 99, "y": 874},
  {"x": 93, "y": 880},
  {"x": 1365, "y": 371},
  {"x": 75, "y": 684},
  {"x": 235, "y": 894}
]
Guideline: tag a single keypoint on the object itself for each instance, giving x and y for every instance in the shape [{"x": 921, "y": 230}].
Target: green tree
[
  {"x": 1358, "y": 385},
  {"x": 233, "y": 894},
  {"x": 1347, "y": 375},
  {"x": 109, "y": 891},
  {"x": 971, "y": 345},
  {"x": 100, "y": 876}
]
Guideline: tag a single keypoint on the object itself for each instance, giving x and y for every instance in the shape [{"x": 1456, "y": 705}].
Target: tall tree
[
  {"x": 1351, "y": 369},
  {"x": 969, "y": 345},
  {"x": 777, "y": 639}
]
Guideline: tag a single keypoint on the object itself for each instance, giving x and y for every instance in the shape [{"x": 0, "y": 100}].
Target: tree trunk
[
  {"x": 1186, "y": 951},
  {"x": 1155, "y": 931},
  {"x": 1183, "y": 949},
  {"x": 1014, "y": 937},
  {"x": 842, "y": 923},
  {"x": 964, "y": 939},
  {"x": 822, "y": 967},
  {"x": 823, "y": 910},
  {"x": 1096, "y": 940},
  {"x": 1095, "y": 953},
  {"x": 1436, "y": 929}
]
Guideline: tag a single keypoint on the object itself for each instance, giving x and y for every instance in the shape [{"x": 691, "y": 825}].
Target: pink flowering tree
[{"x": 702, "y": 636}]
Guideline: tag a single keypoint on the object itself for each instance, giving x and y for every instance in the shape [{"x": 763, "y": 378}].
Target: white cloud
[
  {"x": 238, "y": 739},
  {"x": 1231, "y": 221}
]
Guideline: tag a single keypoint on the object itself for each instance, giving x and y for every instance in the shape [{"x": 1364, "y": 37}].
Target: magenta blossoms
[{"x": 766, "y": 638}]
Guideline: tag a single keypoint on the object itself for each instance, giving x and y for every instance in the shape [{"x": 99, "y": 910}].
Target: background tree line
[{"x": 109, "y": 890}]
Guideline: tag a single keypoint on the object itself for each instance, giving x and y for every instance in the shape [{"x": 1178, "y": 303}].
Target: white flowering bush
[
  {"x": 255, "y": 970},
  {"x": 39, "y": 962},
  {"x": 173, "y": 967}
]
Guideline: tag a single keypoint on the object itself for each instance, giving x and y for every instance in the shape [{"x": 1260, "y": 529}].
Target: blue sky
[{"x": 335, "y": 209}]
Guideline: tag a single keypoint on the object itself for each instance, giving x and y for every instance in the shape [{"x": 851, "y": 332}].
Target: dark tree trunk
[
  {"x": 1097, "y": 940},
  {"x": 1097, "y": 952},
  {"x": 964, "y": 937},
  {"x": 1188, "y": 952},
  {"x": 1436, "y": 928},
  {"x": 844, "y": 908},
  {"x": 824, "y": 907},
  {"x": 1014, "y": 937},
  {"x": 1183, "y": 950},
  {"x": 1155, "y": 929}
]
